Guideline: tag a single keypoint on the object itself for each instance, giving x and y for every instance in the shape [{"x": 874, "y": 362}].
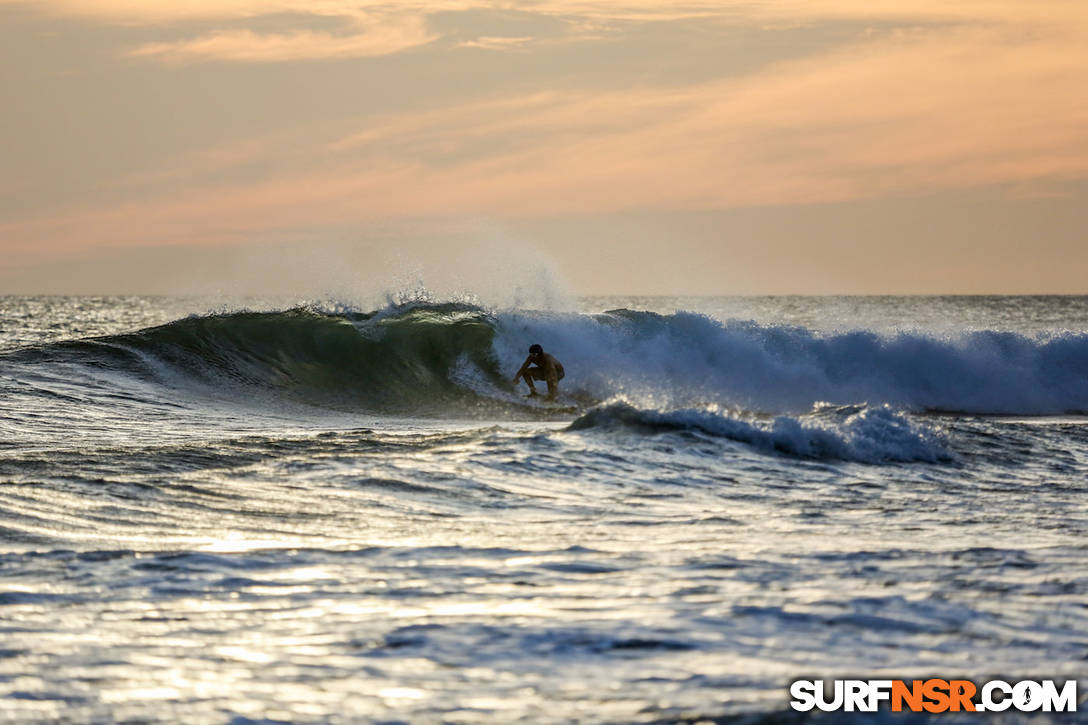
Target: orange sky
[{"x": 724, "y": 147}]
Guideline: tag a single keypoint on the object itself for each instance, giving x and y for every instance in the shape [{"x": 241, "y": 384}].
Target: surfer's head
[{"x": 535, "y": 349}]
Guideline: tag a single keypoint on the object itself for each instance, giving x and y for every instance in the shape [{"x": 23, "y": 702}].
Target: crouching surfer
[{"x": 540, "y": 366}]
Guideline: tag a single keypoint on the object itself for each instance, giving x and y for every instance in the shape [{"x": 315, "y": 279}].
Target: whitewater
[{"x": 283, "y": 511}]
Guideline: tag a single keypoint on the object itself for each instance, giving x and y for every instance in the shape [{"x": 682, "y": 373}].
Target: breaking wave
[
  {"x": 867, "y": 435},
  {"x": 442, "y": 359}
]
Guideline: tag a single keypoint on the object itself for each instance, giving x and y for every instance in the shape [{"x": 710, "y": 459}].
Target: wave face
[
  {"x": 391, "y": 361},
  {"x": 442, "y": 358}
]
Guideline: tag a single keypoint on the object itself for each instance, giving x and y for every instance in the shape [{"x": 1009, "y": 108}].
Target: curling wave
[
  {"x": 392, "y": 360},
  {"x": 444, "y": 358}
]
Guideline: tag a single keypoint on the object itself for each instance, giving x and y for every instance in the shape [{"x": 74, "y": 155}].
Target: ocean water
[{"x": 317, "y": 513}]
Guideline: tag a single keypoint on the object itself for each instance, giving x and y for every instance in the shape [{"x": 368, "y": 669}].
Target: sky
[{"x": 633, "y": 147}]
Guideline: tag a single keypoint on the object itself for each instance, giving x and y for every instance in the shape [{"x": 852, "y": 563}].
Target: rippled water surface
[{"x": 307, "y": 514}]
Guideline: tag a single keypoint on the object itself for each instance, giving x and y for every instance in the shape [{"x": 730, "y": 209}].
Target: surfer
[{"x": 540, "y": 366}]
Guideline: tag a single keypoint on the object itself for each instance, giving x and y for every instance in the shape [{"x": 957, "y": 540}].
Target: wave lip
[{"x": 856, "y": 433}]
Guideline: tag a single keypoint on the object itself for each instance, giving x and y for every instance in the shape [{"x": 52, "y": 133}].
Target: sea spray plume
[
  {"x": 863, "y": 434},
  {"x": 485, "y": 265}
]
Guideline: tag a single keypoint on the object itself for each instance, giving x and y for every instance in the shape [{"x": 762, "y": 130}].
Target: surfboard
[{"x": 559, "y": 405}]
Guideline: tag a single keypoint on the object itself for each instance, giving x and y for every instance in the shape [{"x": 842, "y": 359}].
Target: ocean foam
[
  {"x": 685, "y": 359},
  {"x": 867, "y": 435}
]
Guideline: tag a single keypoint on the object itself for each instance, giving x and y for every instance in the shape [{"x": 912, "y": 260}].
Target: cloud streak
[
  {"x": 364, "y": 40},
  {"x": 380, "y": 27}
]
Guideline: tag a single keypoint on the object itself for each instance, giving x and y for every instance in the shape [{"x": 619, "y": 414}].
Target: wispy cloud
[
  {"x": 380, "y": 27},
  {"x": 494, "y": 42},
  {"x": 364, "y": 40}
]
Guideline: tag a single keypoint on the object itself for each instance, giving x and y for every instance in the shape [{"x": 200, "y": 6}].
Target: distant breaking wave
[
  {"x": 448, "y": 359},
  {"x": 867, "y": 435}
]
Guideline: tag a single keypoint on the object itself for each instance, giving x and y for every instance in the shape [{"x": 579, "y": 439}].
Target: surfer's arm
[{"x": 523, "y": 369}]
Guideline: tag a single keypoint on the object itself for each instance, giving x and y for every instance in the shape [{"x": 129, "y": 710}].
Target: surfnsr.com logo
[{"x": 934, "y": 695}]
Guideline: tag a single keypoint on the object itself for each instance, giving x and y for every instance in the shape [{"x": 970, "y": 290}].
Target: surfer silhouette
[{"x": 540, "y": 366}]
